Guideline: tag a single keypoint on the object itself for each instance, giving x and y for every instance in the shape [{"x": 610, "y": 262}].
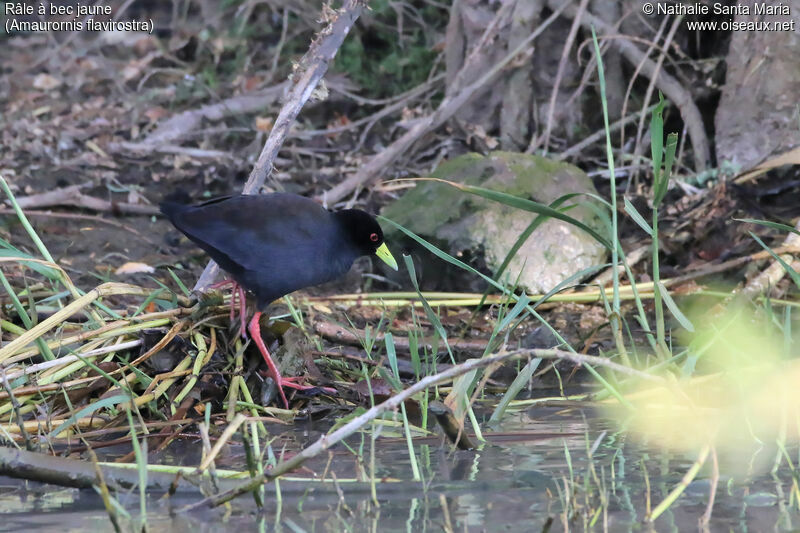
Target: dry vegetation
[{"x": 104, "y": 342}]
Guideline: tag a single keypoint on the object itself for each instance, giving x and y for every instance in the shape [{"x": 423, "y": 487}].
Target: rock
[
  {"x": 757, "y": 115},
  {"x": 459, "y": 221}
]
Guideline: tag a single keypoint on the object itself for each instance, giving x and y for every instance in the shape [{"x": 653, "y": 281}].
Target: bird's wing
[{"x": 256, "y": 232}]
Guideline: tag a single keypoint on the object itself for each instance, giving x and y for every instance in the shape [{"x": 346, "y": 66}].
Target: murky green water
[{"x": 536, "y": 467}]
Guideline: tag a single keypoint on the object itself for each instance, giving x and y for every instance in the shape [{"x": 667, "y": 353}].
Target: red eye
[{"x": 374, "y": 237}]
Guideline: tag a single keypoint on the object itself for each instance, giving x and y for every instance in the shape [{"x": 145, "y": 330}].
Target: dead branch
[
  {"x": 184, "y": 123},
  {"x": 196, "y": 153},
  {"x": 671, "y": 87},
  {"x": 338, "y": 334},
  {"x": 638, "y": 146},
  {"x": 72, "y": 196},
  {"x": 78, "y": 216},
  {"x": 562, "y": 63},
  {"x": 458, "y": 95},
  {"x": 307, "y": 74}
]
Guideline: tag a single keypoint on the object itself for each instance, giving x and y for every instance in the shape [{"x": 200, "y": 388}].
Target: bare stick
[
  {"x": 188, "y": 121},
  {"x": 72, "y": 196},
  {"x": 307, "y": 74}
]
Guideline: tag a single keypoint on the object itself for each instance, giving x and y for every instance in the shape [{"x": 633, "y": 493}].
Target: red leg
[
  {"x": 234, "y": 287},
  {"x": 255, "y": 333},
  {"x": 237, "y": 296},
  {"x": 242, "y": 309},
  {"x": 290, "y": 383},
  {"x": 220, "y": 284}
]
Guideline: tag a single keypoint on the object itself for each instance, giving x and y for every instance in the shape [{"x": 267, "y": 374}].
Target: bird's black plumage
[{"x": 274, "y": 244}]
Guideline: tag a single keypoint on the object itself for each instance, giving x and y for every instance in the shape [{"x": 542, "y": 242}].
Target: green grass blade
[
  {"x": 10, "y": 251},
  {"x": 141, "y": 464},
  {"x": 152, "y": 296},
  {"x": 452, "y": 260},
  {"x": 433, "y": 317},
  {"x": 614, "y": 317},
  {"x": 186, "y": 292},
  {"x": 522, "y": 203},
  {"x": 89, "y": 409},
  {"x": 769, "y": 224},
  {"x": 638, "y": 218},
  {"x": 519, "y": 382},
  {"x": 669, "y": 160},
  {"x": 391, "y": 355},
  {"x": 657, "y": 141},
  {"x": 786, "y": 266},
  {"x": 673, "y": 308}
]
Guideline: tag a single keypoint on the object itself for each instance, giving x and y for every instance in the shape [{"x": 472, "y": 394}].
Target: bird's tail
[
  {"x": 174, "y": 204},
  {"x": 171, "y": 209}
]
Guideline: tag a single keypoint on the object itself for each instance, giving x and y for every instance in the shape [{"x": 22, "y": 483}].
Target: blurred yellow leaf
[{"x": 745, "y": 394}]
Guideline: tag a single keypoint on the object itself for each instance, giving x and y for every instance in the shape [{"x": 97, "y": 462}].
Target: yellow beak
[{"x": 386, "y": 256}]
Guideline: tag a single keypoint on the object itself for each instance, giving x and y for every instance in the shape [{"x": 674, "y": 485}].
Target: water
[{"x": 537, "y": 466}]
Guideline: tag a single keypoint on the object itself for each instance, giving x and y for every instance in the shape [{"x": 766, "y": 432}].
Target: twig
[
  {"x": 601, "y": 133},
  {"x": 771, "y": 275},
  {"x": 230, "y": 429},
  {"x": 712, "y": 489},
  {"x": 308, "y": 73},
  {"x": 197, "y": 153},
  {"x": 651, "y": 45}
]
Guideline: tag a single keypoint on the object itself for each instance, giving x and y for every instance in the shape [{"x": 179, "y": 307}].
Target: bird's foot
[
  {"x": 291, "y": 382},
  {"x": 272, "y": 369}
]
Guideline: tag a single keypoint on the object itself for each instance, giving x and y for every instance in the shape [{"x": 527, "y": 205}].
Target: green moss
[{"x": 431, "y": 205}]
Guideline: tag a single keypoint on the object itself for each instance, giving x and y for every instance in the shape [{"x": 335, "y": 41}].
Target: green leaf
[
  {"x": 433, "y": 317},
  {"x": 663, "y": 183},
  {"x": 518, "y": 308},
  {"x": 180, "y": 284},
  {"x": 769, "y": 224},
  {"x": 391, "y": 354},
  {"x": 520, "y": 381},
  {"x": 89, "y": 409},
  {"x": 638, "y": 218},
  {"x": 9, "y": 251},
  {"x": 522, "y": 203},
  {"x": 786, "y": 266},
  {"x": 673, "y": 308},
  {"x": 657, "y": 139},
  {"x": 153, "y": 295}
]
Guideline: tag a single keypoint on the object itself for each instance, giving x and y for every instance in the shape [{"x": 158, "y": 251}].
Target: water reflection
[{"x": 535, "y": 473}]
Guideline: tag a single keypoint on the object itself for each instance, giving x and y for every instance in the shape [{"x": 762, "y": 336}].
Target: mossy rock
[{"x": 460, "y": 221}]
